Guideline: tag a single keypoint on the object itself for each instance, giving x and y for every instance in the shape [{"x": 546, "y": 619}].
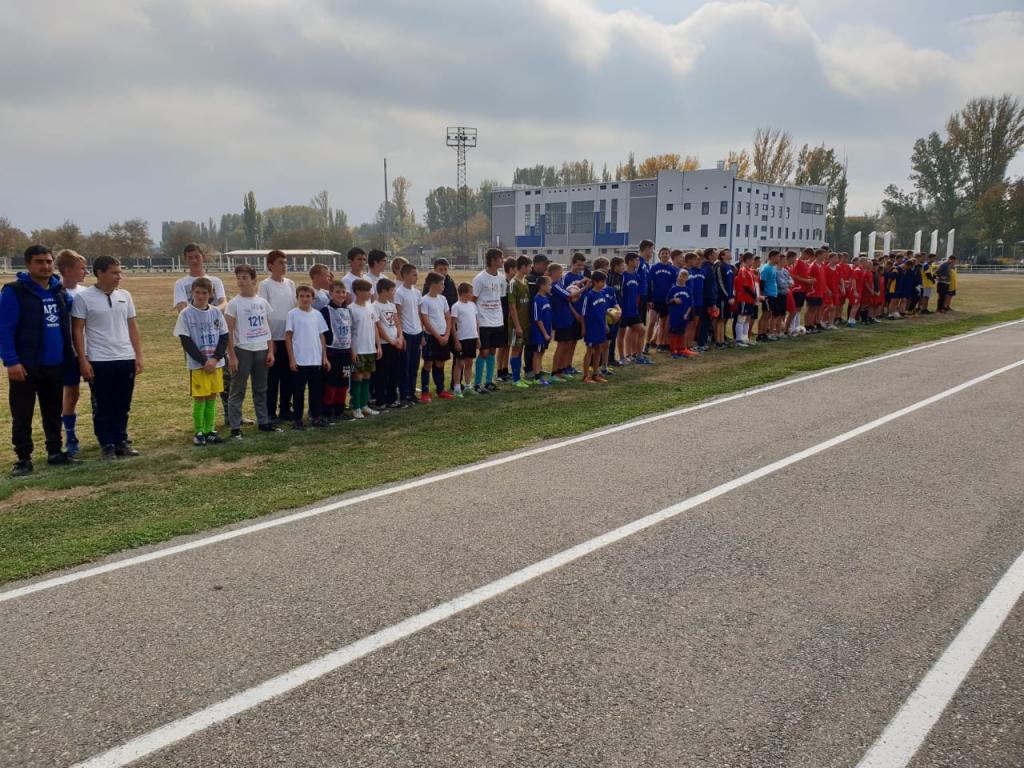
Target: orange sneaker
[
  {"x": 689, "y": 353},
  {"x": 600, "y": 379},
  {"x": 426, "y": 398}
]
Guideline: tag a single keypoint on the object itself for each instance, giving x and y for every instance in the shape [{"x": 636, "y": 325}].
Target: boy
[
  {"x": 662, "y": 278},
  {"x": 541, "y": 328},
  {"x": 407, "y": 302},
  {"x": 594, "y": 328},
  {"x": 376, "y": 261},
  {"x": 72, "y": 268},
  {"x": 305, "y": 339},
  {"x": 927, "y": 283},
  {"x": 695, "y": 287},
  {"x": 448, "y": 289},
  {"x": 320, "y": 277},
  {"x": 616, "y": 269},
  {"x": 109, "y": 350},
  {"x": 509, "y": 266},
  {"x": 817, "y": 289},
  {"x": 724, "y": 275},
  {"x": 279, "y": 292},
  {"x": 366, "y": 349},
  {"x": 488, "y": 288},
  {"x": 392, "y": 346},
  {"x": 518, "y": 319},
  {"x": 436, "y": 317},
  {"x": 601, "y": 264},
  {"x": 632, "y": 306},
  {"x": 576, "y": 281},
  {"x": 356, "y": 264},
  {"x": 745, "y": 286},
  {"x": 339, "y": 351},
  {"x": 250, "y": 351},
  {"x": 564, "y": 323},
  {"x": 204, "y": 337},
  {"x": 466, "y": 332},
  {"x": 678, "y": 303}
]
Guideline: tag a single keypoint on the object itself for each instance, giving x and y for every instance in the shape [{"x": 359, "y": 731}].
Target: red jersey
[
  {"x": 820, "y": 288},
  {"x": 833, "y": 281},
  {"x": 801, "y": 269},
  {"x": 846, "y": 275},
  {"x": 745, "y": 286}
]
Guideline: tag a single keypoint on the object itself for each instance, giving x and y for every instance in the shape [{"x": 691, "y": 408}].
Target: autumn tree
[
  {"x": 772, "y": 156},
  {"x": 987, "y": 134}
]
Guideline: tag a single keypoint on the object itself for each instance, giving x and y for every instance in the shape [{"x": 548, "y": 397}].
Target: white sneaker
[
  {"x": 368, "y": 411},
  {"x": 851, "y": 323},
  {"x": 357, "y": 414}
]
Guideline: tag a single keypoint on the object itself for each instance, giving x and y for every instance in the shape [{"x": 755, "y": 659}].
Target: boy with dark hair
[
  {"x": 376, "y": 262},
  {"x": 436, "y": 317},
  {"x": 663, "y": 277},
  {"x": 518, "y": 319},
  {"x": 576, "y": 282},
  {"x": 204, "y": 336},
  {"x": 503, "y": 353},
  {"x": 613, "y": 287},
  {"x": 109, "y": 351},
  {"x": 466, "y": 335},
  {"x": 305, "y": 338},
  {"x": 356, "y": 265},
  {"x": 392, "y": 346},
  {"x": 339, "y": 351},
  {"x": 250, "y": 351},
  {"x": 724, "y": 274},
  {"x": 366, "y": 349},
  {"x": 643, "y": 273},
  {"x": 35, "y": 344},
  {"x": 710, "y": 304},
  {"x": 448, "y": 288},
  {"x": 678, "y": 301},
  {"x": 541, "y": 328},
  {"x": 746, "y": 290},
  {"x": 73, "y": 269},
  {"x": 927, "y": 282},
  {"x": 488, "y": 288},
  {"x": 594, "y": 327},
  {"x": 695, "y": 286},
  {"x": 564, "y": 324},
  {"x": 633, "y": 304},
  {"x": 279, "y": 292},
  {"x": 407, "y": 300}
]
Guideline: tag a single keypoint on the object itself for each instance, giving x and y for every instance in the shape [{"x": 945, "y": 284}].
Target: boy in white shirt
[
  {"x": 250, "y": 351},
  {"x": 307, "y": 357},
  {"x": 467, "y": 334},
  {"x": 366, "y": 350},
  {"x": 204, "y": 337},
  {"x": 320, "y": 278},
  {"x": 437, "y": 326},
  {"x": 392, "y": 345},
  {"x": 376, "y": 261},
  {"x": 279, "y": 292},
  {"x": 488, "y": 289},
  {"x": 73, "y": 268},
  {"x": 356, "y": 265},
  {"x": 407, "y": 301}
]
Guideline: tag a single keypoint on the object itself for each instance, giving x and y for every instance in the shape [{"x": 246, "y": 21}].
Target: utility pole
[
  {"x": 462, "y": 138},
  {"x": 384, "y": 245}
]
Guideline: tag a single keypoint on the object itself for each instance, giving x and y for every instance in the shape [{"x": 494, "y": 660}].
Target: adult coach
[
  {"x": 109, "y": 354},
  {"x": 35, "y": 342},
  {"x": 488, "y": 288}
]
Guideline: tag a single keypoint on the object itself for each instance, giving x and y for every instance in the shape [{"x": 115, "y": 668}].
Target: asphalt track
[{"x": 781, "y": 623}]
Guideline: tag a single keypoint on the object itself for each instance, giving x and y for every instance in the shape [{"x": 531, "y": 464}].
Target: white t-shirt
[
  {"x": 373, "y": 279},
  {"x": 409, "y": 300},
  {"x": 76, "y": 290},
  {"x": 364, "y": 328},
  {"x": 306, "y": 327},
  {"x": 281, "y": 297},
  {"x": 351, "y": 277},
  {"x": 464, "y": 313},
  {"x": 435, "y": 308},
  {"x": 204, "y": 327},
  {"x": 252, "y": 322},
  {"x": 488, "y": 290},
  {"x": 389, "y": 319},
  {"x": 183, "y": 289},
  {"x": 106, "y": 323}
]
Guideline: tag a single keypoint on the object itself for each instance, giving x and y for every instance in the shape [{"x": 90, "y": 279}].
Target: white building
[{"x": 709, "y": 208}]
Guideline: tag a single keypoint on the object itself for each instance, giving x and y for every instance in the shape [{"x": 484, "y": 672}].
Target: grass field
[{"x": 59, "y": 518}]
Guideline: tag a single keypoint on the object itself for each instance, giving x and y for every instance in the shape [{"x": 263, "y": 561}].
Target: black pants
[
  {"x": 704, "y": 330},
  {"x": 112, "y": 387},
  {"x": 279, "y": 384},
  {"x": 389, "y": 371},
  {"x": 311, "y": 376},
  {"x": 46, "y": 383}
]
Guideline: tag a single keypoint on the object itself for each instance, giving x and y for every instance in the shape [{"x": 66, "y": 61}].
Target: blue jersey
[
  {"x": 595, "y": 305},
  {"x": 663, "y": 277},
  {"x": 541, "y": 311},
  {"x": 630, "y": 294},
  {"x": 560, "y": 314},
  {"x": 613, "y": 299},
  {"x": 643, "y": 273},
  {"x": 677, "y": 312},
  {"x": 769, "y": 282},
  {"x": 695, "y": 286},
  {"x": 568, "y": 279},
  {"x": 725, "y": 273},
  {"x": 710, "y": 286}
]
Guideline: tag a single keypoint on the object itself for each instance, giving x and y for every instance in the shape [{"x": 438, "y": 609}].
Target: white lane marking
[
  {"x": 905, "y": 734},
  {"x": 177, "y": 730},
  {"x": 205, "y": 541}
]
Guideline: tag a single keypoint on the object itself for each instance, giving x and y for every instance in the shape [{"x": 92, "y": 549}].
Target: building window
[
  {"x": 615, "y": 186},
  {"x": 615, "y": 215},
  {"x": 555, "y": 222},
  {"x": 771, "y": 231},
  {"x": 686, "y": 206},
  {"x": 705, "y": 209},
  {"x": 526, "y": 212},
  {"x": 686, "y": 227},
  {"x": 582, "y": 217},
  {"x": 773, "y": 210},
  {"x": 748, "y": 209},
  {"x": 757, "y": 209},
  {"x": 737, "y": 230},
  {"x": 747, "y": 232},
  {"x": 704, "y": 229},
  {"x": 604, "y": 186},
  {"x": 806, "y": 207},
  {"x": 724, "y": 207},
  {"x": 787, "y": 233},
  {"x": 773, "y": 193},
  {"x": 668, "y": 206},
  {"x": 818, "y": 209},
  {"x": 668, "y": 227},
  {"x": 722, "y": 230},
  {"x": 787, "y": 211},
  {"x": 603, "y": 215}
]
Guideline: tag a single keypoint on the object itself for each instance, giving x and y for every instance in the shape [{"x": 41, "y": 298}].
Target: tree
[
  {"x": 442, "y": 206},
  {"x": 129, "y": 240},
  {"x": 627, "y": 172},
  {"x": 837, "y": 216},
  {"x": 938, "y": 174},
  {"x": 252, "y": 220},
  {"x": 576, "y": 172},
  {"x": 175, "y": 235},
  {"x": 819, "y": 166},
  {"x": 1015, "y": 213},
  {"x": 605, "y": 175},
  {"x": 403, "y": 214},
  {"x": 13, "y": 241},
  {"x": 741, "y": 160},
  {"x": 904, "y": 214},
  {"x": 987, "y": 134},
  {"x": 671, "y": 161},
  {"x": 772, "y": 157}
]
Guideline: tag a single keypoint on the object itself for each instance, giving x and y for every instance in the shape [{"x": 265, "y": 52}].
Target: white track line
[
  {"x": 176, "y": 731},
  {"x": 245, "y": 530},
  {"x": 909, "y": 728}
]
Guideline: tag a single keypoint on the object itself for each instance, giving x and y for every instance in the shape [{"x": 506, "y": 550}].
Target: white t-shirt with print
[
  {"x": 183, "y": 289},
  {"x": 488, "y": 290},
  {"x": 389, "y": 319},
  {"x": 204, "y": 327},
  {"x": 464, "y": 313},
  {"x": 252, "y": 322},
  {"x": 306, "y": 327},
  {"x": 364, "y": 328}
]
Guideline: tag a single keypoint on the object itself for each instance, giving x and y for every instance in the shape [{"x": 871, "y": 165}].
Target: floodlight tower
[{"x": 462, "y": 138}]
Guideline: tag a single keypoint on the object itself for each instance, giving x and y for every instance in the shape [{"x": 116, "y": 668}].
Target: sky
[{"x": 173, "y": 109}]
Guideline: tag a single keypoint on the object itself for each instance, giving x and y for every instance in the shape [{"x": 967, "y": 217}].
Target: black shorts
[
  {"x": 626, "y": 322},
  {"x": 725, "y": 310},
  {"x": 569, "y": 333},
  {"x": 778, "y": 305},
  {"x": 814, "y": 301},
  {"x": 798, "y": 299},
  {"x": 661, "y": 308},
  {"x": 72, "y": 374},
  {"x": 435, "y": 352},
  {"x": 468, "y": 349},
  {"x": 493, "y": 337},
  {"x": 750, "y": 310}
]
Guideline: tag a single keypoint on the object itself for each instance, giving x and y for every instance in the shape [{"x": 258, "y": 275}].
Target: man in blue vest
[{"x": 35, "y": 342}]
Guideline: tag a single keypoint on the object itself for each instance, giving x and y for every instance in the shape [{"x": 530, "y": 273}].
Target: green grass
[{"x": 62, "y": 518}]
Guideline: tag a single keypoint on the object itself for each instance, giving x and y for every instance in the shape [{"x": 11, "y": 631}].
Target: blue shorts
[{"x": 593, "y": 339}]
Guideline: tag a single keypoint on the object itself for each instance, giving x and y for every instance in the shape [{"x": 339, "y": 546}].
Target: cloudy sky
[{"x": 172, "y": 109}]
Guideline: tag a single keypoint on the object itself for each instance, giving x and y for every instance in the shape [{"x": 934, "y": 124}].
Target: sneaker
[
  {"x": 600, "y": 379},
  {"x": 676, "y": 355},
  {"x": 446, "y": 395},
  {"x": 742, "y": 345},
  {"x": 108, "y": 453},
  {"x": 458, "y": 394},
  {"x": 664, "y": 348},
  {"x": 470, "y": 391},
  {"x": 614, "y": 363},
  {"x": 358, "y": 414},
  {"x": 490, "y": 387},
  {"x": 236, "y": 434},
  {"x": 22, "y": 468},
  {"x": 851, "y": 323},
  {"x": 424, "y": 398},
  {"x": 212, "y": 438},
  {"x": 248, "y": 421},
  {"x": 572, "y": 372},
  {"x": 72, "y": 447},
  {"x": 199, "y": 440},
  {"x": 556, "y": 379},
  {"x": 521, "y": 385},
  {"x": 125, "y": 451},
  {"x": 61, "y": 459},
  {"x": 481, "y": 390},
  {"x": 689, "y": 353},
  {"x": 544, "y": 382},
  {"x": 268, "y": 428},
  {"x": 644, "y": 361},
  {"x": 588, "y": 380},
  {"x": 647, "y": 349},
  {"x": 319, "y": 423},
  {"x": 368, "y": 411},
  {"x": 721, "y": 345},
  {"x": 397, "y": 405}
]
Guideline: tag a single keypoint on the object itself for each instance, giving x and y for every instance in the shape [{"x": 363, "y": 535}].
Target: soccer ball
[
  {"x": 800, "y": 331},
  {"x": 613, "y": 315}
]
